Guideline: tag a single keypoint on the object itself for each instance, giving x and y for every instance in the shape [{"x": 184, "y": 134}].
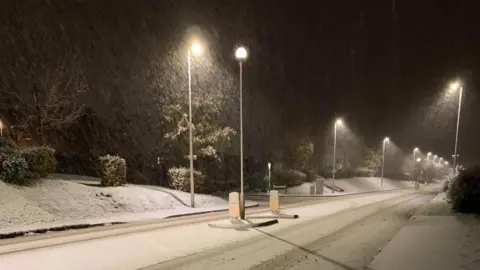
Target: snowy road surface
[{"x": 340, "y": 234}]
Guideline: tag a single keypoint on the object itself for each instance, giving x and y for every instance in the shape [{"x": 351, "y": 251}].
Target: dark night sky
[{"x": 378, "y": 63}]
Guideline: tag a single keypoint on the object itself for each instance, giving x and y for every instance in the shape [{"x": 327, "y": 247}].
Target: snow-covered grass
[
  {"x": 57, "y": 202},
  {"x": 438, "y": 206}
]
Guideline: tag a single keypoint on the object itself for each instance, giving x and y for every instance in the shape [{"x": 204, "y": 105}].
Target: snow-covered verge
[
  {"x": 56, "y": 202},
  {"x": 355, "y": 185},
  {"x": 438, "y": 206},
  {"x": 436, "y": 238}
]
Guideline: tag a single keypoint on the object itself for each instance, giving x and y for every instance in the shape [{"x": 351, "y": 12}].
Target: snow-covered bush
[
  {"x": 464, "y": 191},
  {"x": 13, "y": 168},
  {"x": 40, "y": 159},
  {"x": 180, "y": 179},
  {"x": 113, "y": 170},
  {"x": 290, "y": 178},
  {"x": 364, "y": 172}
]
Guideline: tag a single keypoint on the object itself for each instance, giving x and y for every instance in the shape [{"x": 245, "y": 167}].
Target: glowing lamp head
[
  {"x": 386, "y": 139},
  {"x": 196, "y": 48},
  {"x": 429, "y": 154},
  {"x": 419, "y": 159},
  {"x": 446, "y": 162},
  {"x": 269, "y": 165},
  {"x": 339, "y": 122},
  {"x": 241, "y": 53},
  {"x": 454, "y": 86},
  {"x": 416, "y": 149}
]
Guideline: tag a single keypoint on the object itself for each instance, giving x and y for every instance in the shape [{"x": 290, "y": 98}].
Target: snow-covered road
[{"x": 333, "y": 234}]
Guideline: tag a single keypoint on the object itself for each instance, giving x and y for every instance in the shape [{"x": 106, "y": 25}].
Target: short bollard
[
  {"x": 234, "y": 213},
  {"x": 275, "y": 208},
  {"x": 274, "y": 201},
  {"x": 234, "y": 204}
]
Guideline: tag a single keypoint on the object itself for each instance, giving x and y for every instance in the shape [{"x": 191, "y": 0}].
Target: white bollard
[
  {"x": 234, "y": 204},
  {"x": 274, "y": 201}
]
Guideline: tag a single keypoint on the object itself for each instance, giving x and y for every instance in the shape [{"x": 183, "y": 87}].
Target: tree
[
  {"x": 373, "y": 159},
  {"x": 42, "y": 76}
]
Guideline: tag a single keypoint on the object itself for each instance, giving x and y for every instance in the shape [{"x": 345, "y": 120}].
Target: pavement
[{"x": 434, "y": 239}]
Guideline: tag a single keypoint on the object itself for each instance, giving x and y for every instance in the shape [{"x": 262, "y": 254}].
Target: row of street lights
[{"x": 241, "y": 55}]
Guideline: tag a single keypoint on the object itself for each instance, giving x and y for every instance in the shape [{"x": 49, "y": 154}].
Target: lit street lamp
[
  {"x": 454, "y": 87},
  {"x": 385, "y": 141},
  {"x": 196, "y": 49},
  {"x": 338, "y": 122},
  {"x": 1, "y": 128},
  {"x": 419, "y": 159},
  {"x": 241, "y": 55},
  {"x": 269, "y": 176},
  {"x": 415, "y": 150}
]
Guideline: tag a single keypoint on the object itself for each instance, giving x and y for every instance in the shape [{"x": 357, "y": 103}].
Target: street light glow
[
  {"x": 419, "y": 159},
  {"x": 339, "y": 122},
  {"x": 446, "y": 162},
  {"x": 241, "y": 53},
  {"x": 429, "y": 154},
  {"x": 454, "y": 86},
  {"x": 386, "y": 139},
  {"x": 416, "y": 149},
  {"x": 196, "y": 48}
]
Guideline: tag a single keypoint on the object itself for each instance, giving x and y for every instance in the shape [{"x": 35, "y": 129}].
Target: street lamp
[
  {"x": 419, "y": 159},
  {"x": 385, "y": 141},
  {"x": 241, "y": 55},
  {"x": 338, "y": 122},
  {"x": 454, "y": 87},
  {"x": 1, "y": 128},
  {"x": 269, "y": 176},
  {"x": 415, "y": 150},
  {"x": 196, "y": 49},
  {"x": 446, "y": 163}
]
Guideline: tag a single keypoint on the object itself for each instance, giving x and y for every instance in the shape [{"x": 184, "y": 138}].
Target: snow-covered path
[{"x": 239, "y": 249}]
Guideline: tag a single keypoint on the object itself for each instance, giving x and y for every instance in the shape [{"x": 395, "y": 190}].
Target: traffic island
[
  {"x": 239, "y": 224},
  {"x": 274, "y": 209},
  {"x": 235, "y": 222}
]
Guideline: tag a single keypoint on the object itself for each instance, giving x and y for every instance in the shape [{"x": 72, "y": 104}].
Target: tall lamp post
[
  {"x": 241, "y": 55},
  {"x": 196, "y": 49},
  {"x": 385, "y": 141},
  {"x": 269, "y": 176},
  {"x": 415, "y": 150},
  {"x": 338, "y": 122},
  {"x": 454, "y": 87}
]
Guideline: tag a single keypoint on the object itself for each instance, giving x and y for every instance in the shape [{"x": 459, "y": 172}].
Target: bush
[
  {"x": 180, "y": 179},
  {"x": 13, "y": 168},
  {"x": 41, "y": 161},
  {"x": 113, "y": 171},
  {"x": 290, "y": 178},
  {"x": 346, "y": 172},
  {"x": 464, "y": 191},
  {"x": 364, "y": 172}
]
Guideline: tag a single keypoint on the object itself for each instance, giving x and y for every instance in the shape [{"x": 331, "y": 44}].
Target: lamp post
[
  {"x": 1, "y": 128},
  {"x": 241, "y": 55},
  {"x": 385, "y": 141},
  {"x": 196, "y": 49},
  {"x": 415, "y": 150},
  {"x": 269, "y": 176},
  {"x": 338, "y": 122},
  {"x": 454, "y": 87}
]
